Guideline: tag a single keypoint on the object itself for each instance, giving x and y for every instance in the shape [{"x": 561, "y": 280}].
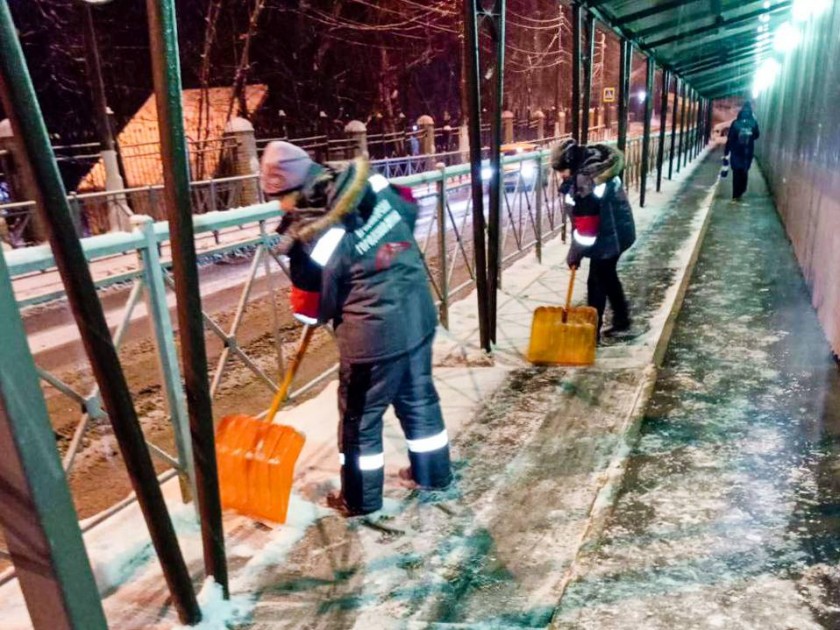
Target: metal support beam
[
  {"x": 589, "y": 61},
  {"x": 21, "y": 105},
  {"x": 163, "y": 38},
  {"x": 38, "y": 518},
  {"x": 674, "y": 112},
  {"x": 663, "y": 120},
  {"x": 652, "y": 11},
  {"x": 650, "y": 74},
  {"x": 495, "y": 24},
  {"x": 577, "y": 53},
  {"x": 698, "y": 132},
  {"x": 473, "y": 73},
  {"x": 710, "y": 119},
  {"x": 682, "y": 128},
  {"x": 722, "y": 25},
  {"x": 719, "y": 61},
  {"x": 692, "y": 103},
  {"x": 623, "y": 92},
  {"x": 686, "y": 121},
  {"x": 157, "y": 306}
]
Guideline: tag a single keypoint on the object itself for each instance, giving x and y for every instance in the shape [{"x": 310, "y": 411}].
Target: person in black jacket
[
  {"x": 602, "y": 223},
  {"x": 740, "y": 149},
  {"x": 355, "y": 264}
]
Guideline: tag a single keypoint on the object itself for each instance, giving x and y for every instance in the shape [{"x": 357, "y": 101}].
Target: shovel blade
[
  {"x": 256, "y": 466},
  {"x": 559, "y": 337}
]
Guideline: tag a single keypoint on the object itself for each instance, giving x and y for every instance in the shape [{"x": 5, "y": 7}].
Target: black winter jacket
[{"x": 740, "y": 142}]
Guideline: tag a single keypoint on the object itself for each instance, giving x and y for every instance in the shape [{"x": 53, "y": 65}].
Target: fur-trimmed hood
[
  {"x": 325, "y": 200},
  {"x": 601, "y": 163}
]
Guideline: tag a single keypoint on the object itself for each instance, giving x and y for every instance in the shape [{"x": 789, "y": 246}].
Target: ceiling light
[
  {"x": 765, "y": 76},
  {"x": 787, "y": 38}
]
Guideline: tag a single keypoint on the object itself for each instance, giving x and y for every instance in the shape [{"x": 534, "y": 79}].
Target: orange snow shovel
[
  {"x": 256, "y": 458},
  {"x": 563, "y": 336}
]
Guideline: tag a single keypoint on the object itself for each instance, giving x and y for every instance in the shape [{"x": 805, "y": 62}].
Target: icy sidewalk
[
  {"x": 728, "y": 517},
  {"x": 536, "y": 452}
]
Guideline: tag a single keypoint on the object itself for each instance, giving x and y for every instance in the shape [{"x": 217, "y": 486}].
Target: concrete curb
[{"x": 612, "y": 478}]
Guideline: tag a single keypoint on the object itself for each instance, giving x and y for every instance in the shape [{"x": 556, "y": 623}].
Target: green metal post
[
  {"x": 167, "y": 353},
  {"x": 21, "y": 105},
  {"x": 494, "y": 237},
  {"x": 38, "y": 517},
  {"x": 163, "y": 37},
  {"x": 476, "y": 184},
  {"x": 651, "y": 69},
  {"x": 577, "y": 47},
  {"x": 587, "y": 78},
  {"x": 689, "y": 101},
  {"x": 682, "y": 128},
  {"x": 443, "y": 275},
  {"x": 663, "y": 120},
  {"x": 710, "y": 111},
  {"x": 539, "y": 192},
  {"x": 626, "y": 52},
  {"x": 701, "y": 103},
  {"x": 674, "y": 112}
]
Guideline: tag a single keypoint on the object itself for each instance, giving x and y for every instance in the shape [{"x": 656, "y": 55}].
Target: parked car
[{"x": 521, "y": 175}]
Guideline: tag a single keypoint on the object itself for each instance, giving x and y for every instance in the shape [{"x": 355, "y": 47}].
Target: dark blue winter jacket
[
  {"x": 602, "y": 219},
  {"x": 740, "y": 143}
]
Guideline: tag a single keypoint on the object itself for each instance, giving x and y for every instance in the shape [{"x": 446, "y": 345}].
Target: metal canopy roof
[{"x": 715, "y": 45}]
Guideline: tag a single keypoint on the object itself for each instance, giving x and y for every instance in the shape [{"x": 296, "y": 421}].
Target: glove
[{"x": 575, "y": 254}]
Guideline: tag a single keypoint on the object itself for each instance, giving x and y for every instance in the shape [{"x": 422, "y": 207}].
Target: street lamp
[{"x": 118, "y": 210}]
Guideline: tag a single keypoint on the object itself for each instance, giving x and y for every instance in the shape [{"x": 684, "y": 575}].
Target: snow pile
[{"x": 218, "y": 613}]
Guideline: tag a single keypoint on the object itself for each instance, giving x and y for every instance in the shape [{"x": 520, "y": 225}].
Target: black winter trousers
[
  {"x": 740, "y": 178},
  {"x": 365, "y": 391},
  {"x": 603, "y": 284}
]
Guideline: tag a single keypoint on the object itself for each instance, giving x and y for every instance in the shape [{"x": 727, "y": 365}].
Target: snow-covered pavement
[{"x": 728, "y": 517}]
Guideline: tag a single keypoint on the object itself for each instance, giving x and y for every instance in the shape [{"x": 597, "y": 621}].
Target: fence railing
[{"x": 95, "y": 212}]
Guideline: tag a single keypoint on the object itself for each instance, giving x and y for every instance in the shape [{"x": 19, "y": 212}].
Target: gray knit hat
[{"x": 284, "y": 168}]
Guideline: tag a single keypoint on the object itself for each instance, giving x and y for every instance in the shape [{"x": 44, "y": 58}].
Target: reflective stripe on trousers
[{"x": 365, "y": 392}]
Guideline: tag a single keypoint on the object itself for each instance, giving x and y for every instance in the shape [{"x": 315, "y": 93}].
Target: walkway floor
[{"x": 729, "y": 516}]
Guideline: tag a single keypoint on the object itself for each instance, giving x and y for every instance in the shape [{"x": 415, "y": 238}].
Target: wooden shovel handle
[
  {"x": 291, "y": 370},
  {"x": 571, "y": 288},
  {"x": 569, "y": 293}
]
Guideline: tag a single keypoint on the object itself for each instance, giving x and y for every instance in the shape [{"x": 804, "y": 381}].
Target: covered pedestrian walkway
[
  {"x": 727, "y": 517},
  {"x": 689, "y": 479}
]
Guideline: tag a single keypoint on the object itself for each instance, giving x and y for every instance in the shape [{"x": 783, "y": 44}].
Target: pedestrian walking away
[
  {"x": 602, "y": 223},
  {"x": 355, "y": 265},
  {"x": 740, "y": 149}
]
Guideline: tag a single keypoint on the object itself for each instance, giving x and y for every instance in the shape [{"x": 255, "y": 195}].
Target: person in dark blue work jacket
[{"x": 355, "y": 264}]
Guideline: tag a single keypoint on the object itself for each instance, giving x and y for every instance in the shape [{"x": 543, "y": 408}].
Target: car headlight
[{"x": 528, "y": 169}]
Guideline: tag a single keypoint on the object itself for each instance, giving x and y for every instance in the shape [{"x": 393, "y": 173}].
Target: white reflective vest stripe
[
  {"x": 378, "y": 183},
  {"x": 326, "y": 245},
  {"x": 586, "y": 241}
]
